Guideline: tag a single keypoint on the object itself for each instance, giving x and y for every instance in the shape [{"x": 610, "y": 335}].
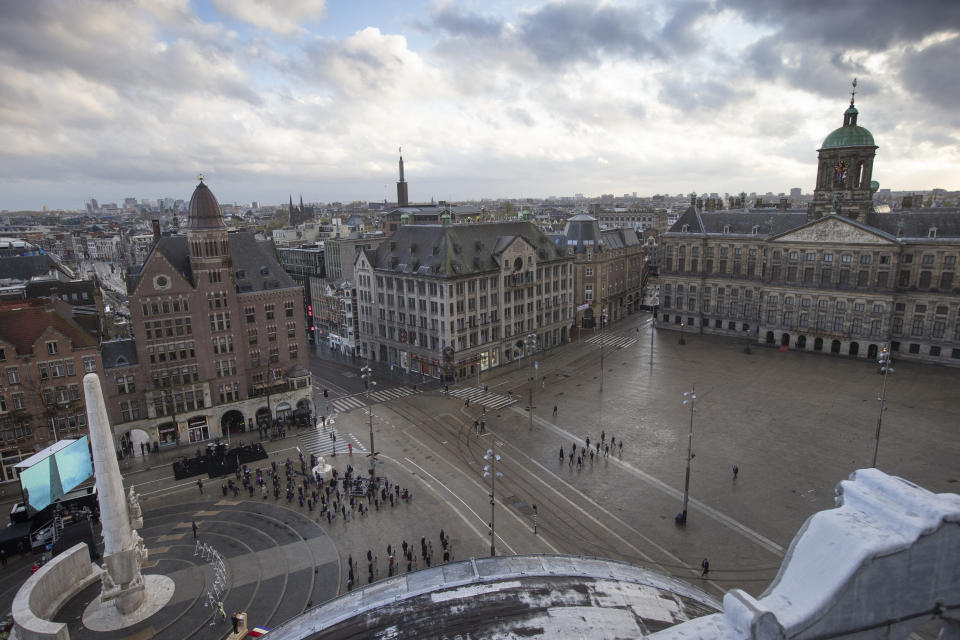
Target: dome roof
[
  {"x": 850, "y": 134},
  {"x": 204, "y": 209}
]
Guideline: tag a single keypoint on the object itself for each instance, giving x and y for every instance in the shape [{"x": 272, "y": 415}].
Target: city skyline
[{"x": 487, "y": 100}]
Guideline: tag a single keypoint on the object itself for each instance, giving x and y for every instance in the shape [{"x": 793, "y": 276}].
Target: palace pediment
[{"x": 838, "y": 230}]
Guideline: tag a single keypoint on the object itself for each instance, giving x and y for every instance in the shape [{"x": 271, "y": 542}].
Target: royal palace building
[
  {"x": 451, "y": 300},
  {"x": 839, "y": 278}
]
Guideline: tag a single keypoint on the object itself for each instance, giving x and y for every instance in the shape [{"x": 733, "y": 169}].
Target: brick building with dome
[{"x": 219, "y": 343}]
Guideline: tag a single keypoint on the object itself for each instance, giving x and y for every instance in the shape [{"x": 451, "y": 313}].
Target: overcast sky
[{"x": 488, "y": 98}]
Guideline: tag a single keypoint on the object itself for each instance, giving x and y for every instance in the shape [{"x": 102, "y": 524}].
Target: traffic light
[{"x": 310, "y": 310}]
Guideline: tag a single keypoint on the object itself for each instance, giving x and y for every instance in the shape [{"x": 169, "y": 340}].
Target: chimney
[{"x": 156, "y": 229}]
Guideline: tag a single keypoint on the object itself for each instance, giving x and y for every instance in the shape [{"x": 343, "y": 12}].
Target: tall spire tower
[{"x": 402, "y": 198}]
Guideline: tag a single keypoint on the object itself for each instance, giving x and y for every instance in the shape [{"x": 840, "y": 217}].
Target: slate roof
[
  {"x": 25, "y": 267},
  {"x": 582, "y": 231},
  {"x": 175, "y": 250},
  {"x": 917, "y": 224},
  {"x": 118, "y": 353},
  {"x": 457, "y": 250},
  {"x": 902, "y": 224},
  {"x": 257, "y": 261},
  {"x": 619, "y": 238},
  {"x": 770, "y": 222},
  {"x": 21, "y": 326}
]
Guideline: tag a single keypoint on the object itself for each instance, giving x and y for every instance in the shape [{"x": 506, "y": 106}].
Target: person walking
[
  {"x": 561, "y": 453},
  {"x": 554, "y": 411},
  {"x": 200, "y": 485},
  {"x": 705, "y": 567},
  {"x": 620, "y": 447},
  {"x": 195, "y": 527},
  {"x": 736, "y": 471}
]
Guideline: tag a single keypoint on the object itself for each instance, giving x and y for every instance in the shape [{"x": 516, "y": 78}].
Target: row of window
[
  {"x": 173, "y": 351},
  {"x": 169, "y": 328},
  {"x": 163, "y": 307},
  {"x": 178, "y": 402}
]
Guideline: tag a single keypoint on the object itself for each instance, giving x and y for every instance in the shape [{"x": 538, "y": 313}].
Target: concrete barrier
[{"x": 46, "y": 591}]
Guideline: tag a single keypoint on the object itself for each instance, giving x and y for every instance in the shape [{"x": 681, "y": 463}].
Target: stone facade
[
  {"x": 833, "y": 285},
  {"x": 449, "y": 301}
]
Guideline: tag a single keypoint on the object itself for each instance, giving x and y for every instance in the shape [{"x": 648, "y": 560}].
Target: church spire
[{"x": 402, "y": 199}]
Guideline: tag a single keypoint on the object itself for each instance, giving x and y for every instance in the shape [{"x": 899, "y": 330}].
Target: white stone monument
[
  {"x": 127, "y": 596},
  {"x": 322, "y": 470}
]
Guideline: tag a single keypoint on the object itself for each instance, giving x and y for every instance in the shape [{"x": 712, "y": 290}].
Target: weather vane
[
  {"x": 852, "y": 93},
  {"x": 200, "y": 177}
]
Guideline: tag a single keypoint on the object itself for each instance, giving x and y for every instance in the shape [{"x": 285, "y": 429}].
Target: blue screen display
[{"x": 55, "y": 475}]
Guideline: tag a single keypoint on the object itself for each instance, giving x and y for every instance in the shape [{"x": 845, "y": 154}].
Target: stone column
[{"x": 123, "y": 548}]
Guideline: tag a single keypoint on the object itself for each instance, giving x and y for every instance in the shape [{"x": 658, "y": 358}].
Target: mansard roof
[
  {"x": 457, "y": 250},
  {"x": 255, "y": 264}
]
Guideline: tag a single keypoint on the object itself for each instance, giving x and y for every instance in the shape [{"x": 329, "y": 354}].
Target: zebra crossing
[
  {"x": 318, "y": 442},
  {"x": 358, "y": 401},
  {"x": 612, "y": 340},
  {"x": 487, "y": 399}
]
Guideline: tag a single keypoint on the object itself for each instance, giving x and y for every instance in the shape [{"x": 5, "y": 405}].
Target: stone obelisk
[{"x": 123, "y": 551}]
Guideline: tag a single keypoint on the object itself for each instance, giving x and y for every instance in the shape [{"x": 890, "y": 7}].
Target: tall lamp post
[
  {"x": 531, "y": 345},
  {"x": 367, "y": 374},
  {"x": 885, "y": 368},
  {"x": 603, "y": 312},
  {"x": 689, "y": 397},
  {"x": 490, "y": 471},
  {"x": 681, "y": 341},
  {"x": 653, "y": 324}
]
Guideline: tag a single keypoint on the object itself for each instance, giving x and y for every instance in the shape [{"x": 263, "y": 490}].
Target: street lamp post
[
  {"x": 681, "y": 341},
  {"x": 490, "y": 471},
  {"x": 885, "y": 368},
  {"x": 531, "y": 345},
  {"x": 367, "y": 375},
  {"x": 689, "y": 398},
  {"x": 603, "y": 311},
  {"x": 653, "y": 325}
]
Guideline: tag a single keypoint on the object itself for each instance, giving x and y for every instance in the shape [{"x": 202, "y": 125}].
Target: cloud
[
  {"x": 932, "y": 72},
  {"x": 285, "y": 17},
  {"x": 457, "y": 22},
  {"x": 564, "y": 33}
]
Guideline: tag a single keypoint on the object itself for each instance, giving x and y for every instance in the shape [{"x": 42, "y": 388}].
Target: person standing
[
  {"x": 195, "y": 527},
  {"x": 736, "y": 471},
  {"x": 705, "y": 567},
  {"x": 561, "y": 453}
]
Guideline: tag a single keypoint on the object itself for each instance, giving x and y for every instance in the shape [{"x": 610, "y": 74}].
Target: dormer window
[
  {"x": 685, "y": 228},
  {"x": 52, "y": 348},
  {"x": 932, "y": 233},
  {"x": 726, "y": 228},
  {"x": 755, "y": 230}
]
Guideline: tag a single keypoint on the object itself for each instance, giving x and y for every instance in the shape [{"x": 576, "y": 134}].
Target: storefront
[
  {"x": 283, "y": 411},
  {"x": 197, "y": 429},
  {"x": 167, "y": 434}
]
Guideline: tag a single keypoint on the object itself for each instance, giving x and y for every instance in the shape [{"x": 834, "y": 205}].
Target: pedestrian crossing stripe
[
  {"x": 319, "y": 443},
  {"x": 349, "y": 403},
  {"x": 485, "y": 398},
  {"x": 613, "y": 340}
]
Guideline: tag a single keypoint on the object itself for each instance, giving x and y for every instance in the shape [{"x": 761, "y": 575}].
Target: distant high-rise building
[{"x": 795, "y": 193}]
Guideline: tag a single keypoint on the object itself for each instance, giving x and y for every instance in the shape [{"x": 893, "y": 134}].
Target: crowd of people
[
  {"x": 399, "y": 556},
  {"x": 581, "y": 453}
]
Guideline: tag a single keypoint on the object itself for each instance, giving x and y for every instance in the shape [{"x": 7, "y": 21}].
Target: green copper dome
[{"x": 850, "y": 134}]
